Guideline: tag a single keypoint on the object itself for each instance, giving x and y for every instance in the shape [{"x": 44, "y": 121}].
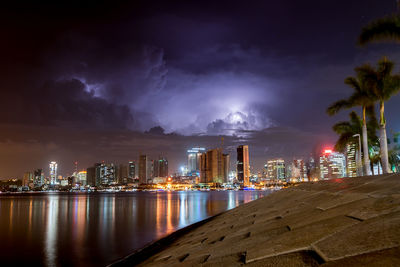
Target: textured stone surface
[{"x": 341, "y": 222}]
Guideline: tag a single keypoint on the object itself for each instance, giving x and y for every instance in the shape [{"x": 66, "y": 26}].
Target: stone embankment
[{"x": 341, "y": 222}]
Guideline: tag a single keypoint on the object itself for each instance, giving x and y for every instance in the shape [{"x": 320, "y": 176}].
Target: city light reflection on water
[{"x": 59, "y": 229}]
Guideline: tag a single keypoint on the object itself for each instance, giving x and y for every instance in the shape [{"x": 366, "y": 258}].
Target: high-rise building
[
  {"x": 131, "y": 170},
  {"x": 27, "y": 178},
  {"x": 91, "y": 175},
  {"x": 351, "y": 161},
  {"x": 332, "y": 165},
  {"x": 101, "y": 174},
  {"x": 194, "y": 160},
  {"x": 82, "y": 178},
  {"x": 53, "y": 172},
  {"x": 227, "y": 163},
  {"x": 212, "y": 169},
  {"x": 150, "y": 170},
  {"x": 143, "y": 169},
  {"x": 108, "y": 174},
  {"x": 276, "y": 170},
  {"x": 288, "y": 171},
  {"x": 122, "y": 174},
  {"x": 243, "y": 165},
  {"x": 299, "y": 170},
  {"x": 38, "y": 179},
  {"x": 160, "y": 167}
]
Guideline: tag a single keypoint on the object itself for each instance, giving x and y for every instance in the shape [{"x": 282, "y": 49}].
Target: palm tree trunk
[
  {"x": 372, "y": 168},
  {"x": 383, "y": 140},
  {"x": 365, "y": 145}
]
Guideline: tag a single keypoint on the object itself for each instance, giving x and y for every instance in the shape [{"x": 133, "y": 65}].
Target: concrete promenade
[{"x": 341, "y": 222}]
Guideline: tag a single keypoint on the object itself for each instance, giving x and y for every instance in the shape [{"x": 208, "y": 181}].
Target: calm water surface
[{"x": 64, "y": 229}]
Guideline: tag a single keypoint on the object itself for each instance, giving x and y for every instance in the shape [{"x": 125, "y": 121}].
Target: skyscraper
[
  {"x": 101, "y": 174},
  {"x": 122, "y": 174},
  {"x": 150, "y": 170},
  {"x": 143, "y": 169},
  {"x": 194, "y": 160},
  {"x": 53, "y": 172},
  {"x": 38, "y": 179},
  {"x": 332, "y": 165},
  {"x": 212, "y": 169},
  {"x": 299, "y": 170},
  {"x": 351, "y": 162},
  {"x": 243, "y": 165},
  {"x": 27, "y": 178},
  {"x": 227, "y": 162},
  {"x": 131, "y": 170},
  {"x": 107, "y": 173},
  {"x": 82, "y": 178},
  {"x": 160, "y": 167},
  {"x": 91, "y": 176},
  {"x": 276, "y": 170}
]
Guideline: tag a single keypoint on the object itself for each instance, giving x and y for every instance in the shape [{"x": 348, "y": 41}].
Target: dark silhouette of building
[
  {"x": 161, "y": 167},
  {"x": 243, "y": 166},
  {"x": 143, "y": 169}
]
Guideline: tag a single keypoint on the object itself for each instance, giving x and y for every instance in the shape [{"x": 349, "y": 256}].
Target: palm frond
[
  {"x": 342, "y": 127},
  {"x": 343, "y": 140},
  {"x": 353, "y": 83},
  {"x": 383, "y": 29},
  {"x": 337, "y": 106}
]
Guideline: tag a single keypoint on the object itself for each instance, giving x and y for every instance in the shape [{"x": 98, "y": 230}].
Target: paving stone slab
[
  {"x": 382, "y": 258},
  {"x": 299, "y": 239},
  {"x": 378, "y": 207},
  {"x": 365, "y": 237}
]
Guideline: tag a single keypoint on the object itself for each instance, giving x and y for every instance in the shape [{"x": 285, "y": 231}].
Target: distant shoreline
[{"x": 110, "y": 193}]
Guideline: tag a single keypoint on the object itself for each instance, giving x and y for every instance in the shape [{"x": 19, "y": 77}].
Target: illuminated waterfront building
[
  {"x": 276, "y": 169},
  {"x": 53, "y": 172},
  {"x": 38, "y": 178},
  {"x": 101, "y": 174},
  {"x": 243, "y": 165},
  {"x": 107, "y": 173},
  {"x": 161, "y": 167},
  {"x": 82, "y": 178},
  {"x": 122, "y": 174},
  {"x": 143, "y": 169},
  {"x": 299, "y": 170},
  {"x": 351, "y": 159},
  {"x": 91, "y": 175},
  {"x": 193, "y": 164},
  {"x": 227, "y": 162},
  {"x": 332, "y": 165},
  {"x": 150, "y": 170},
  {"x": 288, "y": 171},
  {"x": 212, "y": 166},
  {"x": 131, "y": 170},
  {"x": 27, "y": 179}
]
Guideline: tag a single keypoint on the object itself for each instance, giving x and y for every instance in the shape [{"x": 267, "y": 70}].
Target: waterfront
[{"x": 63, "y": 229}]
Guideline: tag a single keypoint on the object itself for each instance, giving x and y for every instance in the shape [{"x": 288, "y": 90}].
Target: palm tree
[
  {"x": 384, "y": 85},
  {"x": 346, "y": 131},
  {"x": 375, "y": 159},
  {"x": 360, "y": 97}
]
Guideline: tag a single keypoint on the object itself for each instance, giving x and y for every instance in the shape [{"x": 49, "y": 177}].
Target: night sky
[{"x": 96, "y": 81}]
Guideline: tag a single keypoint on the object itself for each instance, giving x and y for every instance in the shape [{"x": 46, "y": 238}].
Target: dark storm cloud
[
  {"x": 63, "y": 103},
  {"x": 261, "y": 72}
]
